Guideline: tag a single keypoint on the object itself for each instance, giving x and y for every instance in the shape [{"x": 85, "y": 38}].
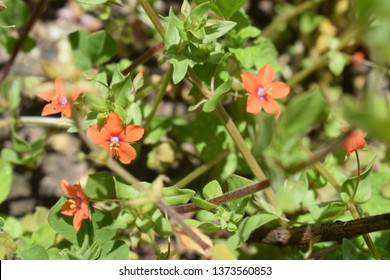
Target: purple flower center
[
  {"x": 114, "y": 142},
  {"x": 60, "y": 100},
  {"x": 261, "y": 92}
]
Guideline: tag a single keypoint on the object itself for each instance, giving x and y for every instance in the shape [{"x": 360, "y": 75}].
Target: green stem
[
  {"x": 165, "y": 82},
  {"x": 153, "y": 17},
  {"x": 39, "y": 121},
  {"x": 358, "y": 176},
  {"x": 200, "y": 170}
]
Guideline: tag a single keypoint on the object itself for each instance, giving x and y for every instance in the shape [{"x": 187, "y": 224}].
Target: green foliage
[
  {"x": 5, "y": 184},
  {"x": 92, "y": 49},
  {"x": 212, "y": 153}
]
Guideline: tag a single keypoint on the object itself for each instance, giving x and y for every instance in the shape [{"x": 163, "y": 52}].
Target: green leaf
[
  {"x": 45, "y": 236},
  {"x": 293, "y": 192},
  {"x": 337, "y": 63},
  {"x": 225, "y": 8},
  {"x": 101, "y": 222},
  {"x": 235, "y": 182},
  {"x": 254, "y": 57},
  {"x": 125, "y": 191},
  {"x": 13, "y": 227},
  {"x": 353, "y": 252},
  {"x": 217, "y": 30},
  {"x": 6, "y": 179},
  {"x": 101, "y": 47},
  {"x": 212, "y": 189},
  {"x": 198, "y": 16},
  {"x": 121, "y": 92},
  {"x": 303, "y": 112},
  {"x": 175, "y": 196},
  {"x": 172, "y": 38},
  {"x": 180, "y": 66},
  {"x": 16, "y": 13},
  {"x": 247, "y": 226},
  {"x": 211, "y": 104},
  {"x": 161, "y": 224},
  {"x": 100, "y": 185},
  {"x": 36, "y": 252},
  {"x": 79, "y": 43},
  {"x": 331, "y": 211},
  {"x": 114, "y": 250},
  {"x": 363, "y": 193},
  {"x": 14, "y": 94},
  {"x": 203, "y": 204}
]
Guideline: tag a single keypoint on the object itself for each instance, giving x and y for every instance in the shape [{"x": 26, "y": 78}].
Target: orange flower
[
  {"x": 115, "y": 137},
  {"x": 263, "y": 92},
  {"x": 59, "y": 102},
  {"x": 354, "y": 141},
  {"x": 77, "y": 204}
]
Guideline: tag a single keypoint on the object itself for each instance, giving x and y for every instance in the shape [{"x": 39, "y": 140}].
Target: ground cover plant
[{"x": 194, "y": 129}]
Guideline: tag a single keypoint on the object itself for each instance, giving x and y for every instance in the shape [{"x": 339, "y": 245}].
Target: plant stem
[
  {"x": 200, "y": 170},
  {"x": 153, "y": 17},
  {"x": 143, "y": 58},
  {"x": 226, "y": 197},
  {"x": 358, "y": 176},
  {"x": 165, "y": 82}
]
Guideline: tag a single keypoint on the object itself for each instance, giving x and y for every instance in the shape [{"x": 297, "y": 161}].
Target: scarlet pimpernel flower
[
  {"x": 354, "y": 141},
  {"x": 115, "y": 137},
  {"x": 77, "y": 205},
  {"x": 263, "y": 92},
  {"x": 59, "y": 101}
]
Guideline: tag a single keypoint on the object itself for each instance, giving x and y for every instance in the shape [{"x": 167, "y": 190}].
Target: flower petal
[
  {"x": 113, "y": 124},
  {"x": 271, "y": 107},
  {"x": 132, "y": 133},
  {"x": 265, "y": 75},
  {"x": 50, "y": 109},
  {"x": 68, "y": 188},
  {"x": 59, "y": 87},
  {"x": 67, "y": 110},
  {"x": 354, "y": 141},
  {"x": 126, "y": 153},
  {"x": 77, "y": 220},
  {"x": 253, "y": 104},
  {"x": 75, "y": 95},
  {"x": 98, "y": 136},
  {"x": 250, "y": 82},
  {"x": 47, "y": 96},
  {"x": 279, "y": 90},
  {"x": 67, "y": 210}
]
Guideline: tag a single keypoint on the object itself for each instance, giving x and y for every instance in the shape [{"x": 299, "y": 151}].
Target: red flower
[
  {"x": 59, "y": 102},
  {"x": 354, "y": 141},
  {"x": 115, "y": 137},
  {"x": 263, "y": 92},
  {"x": 77, "y": 205},
  {"x": 357, "y": 58}
]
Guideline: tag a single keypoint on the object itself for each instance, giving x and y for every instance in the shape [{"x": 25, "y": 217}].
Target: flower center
[
  {"x": 262, "y": 92},
  {"x": 60, "y": 100},
  {"x": 75, "y": 203},
  {"x": 114, "y": 142}
]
